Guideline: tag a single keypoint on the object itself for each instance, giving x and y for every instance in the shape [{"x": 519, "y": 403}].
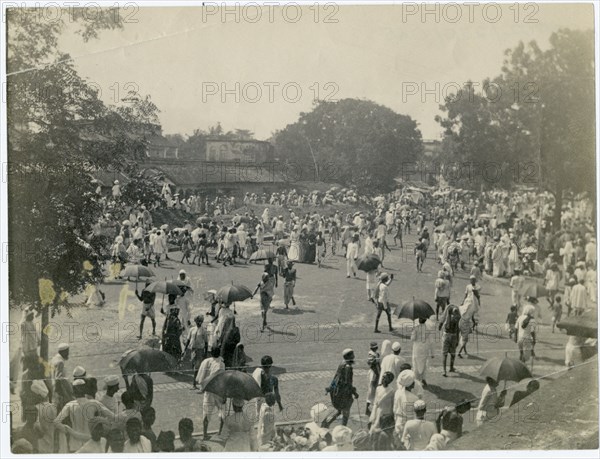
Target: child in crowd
[{"x": 556, "y": 311}]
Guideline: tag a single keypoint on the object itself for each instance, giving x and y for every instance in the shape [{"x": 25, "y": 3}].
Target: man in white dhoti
[
  {"x": 469, "y": 314},
  {"x": 421, "y": 338}
]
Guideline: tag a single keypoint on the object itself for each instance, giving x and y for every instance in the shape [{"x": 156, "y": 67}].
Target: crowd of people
[{"x": 494, "y": 233}]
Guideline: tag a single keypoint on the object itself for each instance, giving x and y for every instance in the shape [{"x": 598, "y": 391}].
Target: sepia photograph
[{"x": 299, "y": 228}]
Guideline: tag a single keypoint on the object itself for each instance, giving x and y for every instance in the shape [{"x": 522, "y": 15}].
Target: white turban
[{"x": 406, "y": 378}]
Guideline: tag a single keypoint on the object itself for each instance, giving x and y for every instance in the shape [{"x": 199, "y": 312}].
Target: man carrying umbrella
[
  {"x": 211, "y": 402},
  {"x": 490, "y": 403},
  {"x": 147, "y": 298},
  {"x": 382, "y": 296}
]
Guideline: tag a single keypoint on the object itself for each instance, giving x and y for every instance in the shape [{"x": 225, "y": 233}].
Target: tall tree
[
  {"x": 559, "y": 110},
  {"x": 354, "y": 142},
  {"x": 537, "y": 115},
  {"x": 59, "y": 133}
]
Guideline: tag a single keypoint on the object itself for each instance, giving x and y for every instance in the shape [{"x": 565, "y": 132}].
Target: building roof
[{"x": 197, "y": 173}]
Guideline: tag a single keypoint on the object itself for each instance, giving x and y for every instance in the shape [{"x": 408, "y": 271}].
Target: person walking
[
  {"x": 211, "y": 403},
  {"x": 171, "y": 333},
  {"x": 441, "y": 293},
  {"x": 420, "y": 250},
  {"x": 579, "y": 298},
  {"x": 266, "y": 287},
  {"x": 238, "y": 431},
  {"x": 269, "y": 384},
  {"x": 392, "y": 362},
  {"x": 449, "y": 322},
  {"x": 197, "y": 341},
  {"x": 342, "y": 390},
  {"x": 159, "y": 247},
  {"x": 469, "y": 314},
  {"x": 382, "y": 295},
  {"x": 281, "y": 254},
  {"x": 421, "y": 339},
  {"x": 374, "y": 363},
  {"x": 321, "y": 248},
  {"x": 404, "y": 399},
  {"x": 383, "y": 404},
  {"x": 516, "y": 285},
  {"x": 526, "y": 333},
  {"x": 147, "y": 299},
  {"x": 490, "y": 403},
  {"x": 551, "y": 282},
  {"x": 289, "y": 277},
  {"x": 351, "y": 256}
]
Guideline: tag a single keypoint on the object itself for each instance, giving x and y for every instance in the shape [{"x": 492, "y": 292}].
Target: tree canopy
[
  {"x": 353, "y": 142},
  {"x": 59, "y": 133},
  {"x": 537, "y": 116}
]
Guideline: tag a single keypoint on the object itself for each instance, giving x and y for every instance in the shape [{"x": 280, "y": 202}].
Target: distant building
[
  {"x": 431, "y": 148},
  {"x": 217, "y": 165}
]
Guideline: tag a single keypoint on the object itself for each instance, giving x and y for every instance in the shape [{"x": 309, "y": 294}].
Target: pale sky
[{"x": 379, "y": 52}]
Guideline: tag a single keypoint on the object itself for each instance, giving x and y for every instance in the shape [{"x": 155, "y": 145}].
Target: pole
[{"x": 359, "y": 418}]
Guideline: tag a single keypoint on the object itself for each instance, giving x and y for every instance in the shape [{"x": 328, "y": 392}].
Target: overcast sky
[{"x": 387, "y": 54}]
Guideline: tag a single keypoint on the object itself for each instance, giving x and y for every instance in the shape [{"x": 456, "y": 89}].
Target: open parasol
[
  {"x": 165, "y": 287},
  {"x": 231, "y": 293},
  {"x": 232, "y": 384},
  {"x": 368, "y": 262},
  {"x": 414, "y": 309},
  {"x": 137, "y": 271},
  {"x": 146, "y": 361},
  {"x": 505, "y": 369}
]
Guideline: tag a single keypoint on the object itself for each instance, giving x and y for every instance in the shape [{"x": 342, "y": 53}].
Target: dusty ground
[{"x": 306, "y": 343}]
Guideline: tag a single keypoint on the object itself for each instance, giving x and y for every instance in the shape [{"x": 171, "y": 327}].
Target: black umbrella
[
  {"x": 505, "y": 369},
  {"x": 414, "y": 309},
  {"x": 146, "y": 361},
  {"x": 368, "y": 262},
  {"x": 231, "y": 293},
  {"x": 164, "y": 287},
  {"x": 233, "y": 384}
]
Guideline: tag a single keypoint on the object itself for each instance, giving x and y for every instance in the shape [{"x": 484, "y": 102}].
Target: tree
[
  {"x": 141, "y": 190},
  {"x": 59, "y": 133},
  {"x": 537, "y": 115},
  {"x": 561, "y": 116},
  {"x": 355, "y": 142}
]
